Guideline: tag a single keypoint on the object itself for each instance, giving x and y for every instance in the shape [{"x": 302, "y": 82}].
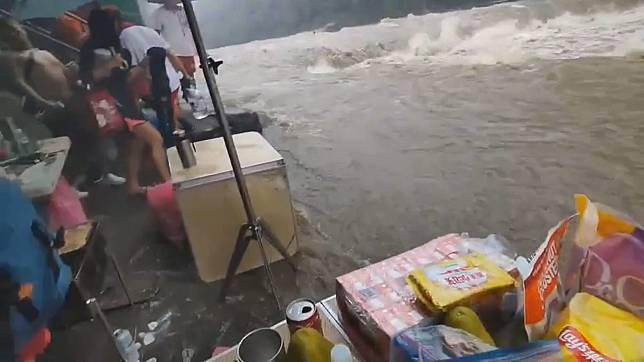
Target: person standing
[{"x": 171, "y": 22}]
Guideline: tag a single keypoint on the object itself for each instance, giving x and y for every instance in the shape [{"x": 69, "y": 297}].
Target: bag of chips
[
  {"x": 592, "y": 330},
  {"x": 543, "y": 296},
  {"x": 604, "y": 261},
  {"x": 611, "y": 268}
]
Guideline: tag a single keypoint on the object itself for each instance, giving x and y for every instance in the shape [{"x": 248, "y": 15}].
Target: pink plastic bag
[
  {"x": 65, "y": 209},
  {"x": 166, "y": 210}
]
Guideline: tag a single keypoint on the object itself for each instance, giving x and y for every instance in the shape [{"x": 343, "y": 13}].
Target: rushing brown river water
[{"x": 482, "y": 121}]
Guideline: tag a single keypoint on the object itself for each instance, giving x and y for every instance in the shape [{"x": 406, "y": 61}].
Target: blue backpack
[{"x": 33, "y": 279}]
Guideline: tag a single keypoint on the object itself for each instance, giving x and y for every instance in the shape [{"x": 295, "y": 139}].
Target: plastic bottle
[
  {"x": 307, "y": 344},
  {"x": 341, "y": 353},
  {"x": 125, "y": 343},
  {"x": 22, "y": 142}
]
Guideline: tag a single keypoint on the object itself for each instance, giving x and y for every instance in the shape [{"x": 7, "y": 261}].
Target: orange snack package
[{"x": 543, "y": 296}]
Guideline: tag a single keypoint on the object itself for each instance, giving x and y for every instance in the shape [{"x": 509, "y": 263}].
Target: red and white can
[{"x": 302, "y": 313}]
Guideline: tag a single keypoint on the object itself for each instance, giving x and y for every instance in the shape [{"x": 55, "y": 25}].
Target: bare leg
[
  {"x": 151, "y": 137},
  {"x": 176, "y": 109},
  {"x": 135, "y": 153}
]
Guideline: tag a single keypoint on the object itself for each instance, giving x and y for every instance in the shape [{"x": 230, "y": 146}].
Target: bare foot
[{"x": 137, "y": 191}]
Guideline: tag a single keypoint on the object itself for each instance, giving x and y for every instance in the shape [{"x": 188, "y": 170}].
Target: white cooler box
[{"x": 212, "y": 209}]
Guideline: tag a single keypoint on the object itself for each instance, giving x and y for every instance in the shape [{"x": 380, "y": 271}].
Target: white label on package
[{"x": 456, "y": 275}]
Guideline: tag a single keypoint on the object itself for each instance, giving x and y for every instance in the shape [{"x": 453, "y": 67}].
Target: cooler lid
[{"x": 213, "y": 164}]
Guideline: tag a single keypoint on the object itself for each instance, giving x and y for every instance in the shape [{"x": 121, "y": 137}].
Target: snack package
[
  {"x": 540, "y": 351},
  {"x": 376, "y": 302},
  {"x": 592, "y": 330},
  {"x": 611, "y": 268},
  {"x": 543, "y": 297},
  {"x": 434, "y": 343},
  {"x": 461, "y": 281},
  {"x": 604, "y": 260}
]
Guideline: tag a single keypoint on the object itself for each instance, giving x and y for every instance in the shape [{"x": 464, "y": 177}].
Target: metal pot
[{"x": 261, "y": 345}]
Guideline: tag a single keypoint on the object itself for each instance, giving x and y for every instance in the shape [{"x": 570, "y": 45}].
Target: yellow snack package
[
  {"x": 459, "y": 281},
  {"x": 590, "y": 329}
]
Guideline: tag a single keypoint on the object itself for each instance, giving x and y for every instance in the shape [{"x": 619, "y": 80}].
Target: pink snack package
[
  {"x": 377, "y": 301},
  {"x": 612, "y": 265}
]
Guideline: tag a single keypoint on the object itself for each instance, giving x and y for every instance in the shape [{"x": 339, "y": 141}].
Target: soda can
[{"x": 302, "y": 313}]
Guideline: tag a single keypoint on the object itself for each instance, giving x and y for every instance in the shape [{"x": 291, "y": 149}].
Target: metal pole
[
  {"x": 219, "y": 110},
  {"x": 253, "y": 223}
]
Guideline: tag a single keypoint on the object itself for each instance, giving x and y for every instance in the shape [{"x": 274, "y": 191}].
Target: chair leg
[
  {"x": 238, "y": 253},
  {"x": 119, "y": 274}
]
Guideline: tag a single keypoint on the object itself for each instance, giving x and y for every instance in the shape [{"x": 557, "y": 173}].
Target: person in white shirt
[
  {"x": 171, "y": 22},
  {"x": 138, "y": 39}
]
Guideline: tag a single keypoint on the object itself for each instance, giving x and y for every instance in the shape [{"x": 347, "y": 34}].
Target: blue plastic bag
[
  {"x": 533, "y": 352},
  {"x": 424, "y": 343}
]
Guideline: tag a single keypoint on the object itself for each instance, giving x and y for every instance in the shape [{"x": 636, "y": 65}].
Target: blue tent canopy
[{"x": 31, "y": 9}]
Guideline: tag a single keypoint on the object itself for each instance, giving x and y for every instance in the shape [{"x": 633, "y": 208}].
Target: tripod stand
[{"x": 254, "y": 228}]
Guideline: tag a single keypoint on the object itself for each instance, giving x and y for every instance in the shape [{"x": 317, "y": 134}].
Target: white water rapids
[{"x": 482, "y": 120}]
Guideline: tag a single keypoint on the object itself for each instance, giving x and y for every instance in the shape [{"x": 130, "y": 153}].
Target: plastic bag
[
  {"x": 165, "y": 208},
  {"x": 434, "y": 343},
  {"x": 65, "y": 208},
  {"x": 593, "y": 330},
  {"x": 496, "y": 248},
  {"x": 539, "y": 351}
]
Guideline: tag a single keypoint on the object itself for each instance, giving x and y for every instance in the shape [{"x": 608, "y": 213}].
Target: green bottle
[{"x": 308, "y": 345}]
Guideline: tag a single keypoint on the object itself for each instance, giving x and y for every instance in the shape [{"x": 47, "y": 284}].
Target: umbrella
[{"x": 30, "y": 9}]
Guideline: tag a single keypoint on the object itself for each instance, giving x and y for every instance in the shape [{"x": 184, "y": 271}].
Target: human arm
[
  {"x": 86, "y": 63},
  {"x": 104, "y": 70},
  {"x": 178, "y": 64},
  {"x": 28, "y": 91},
  {"x": 137, "y": 76},
  {"x": 22, "y": 87}
]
